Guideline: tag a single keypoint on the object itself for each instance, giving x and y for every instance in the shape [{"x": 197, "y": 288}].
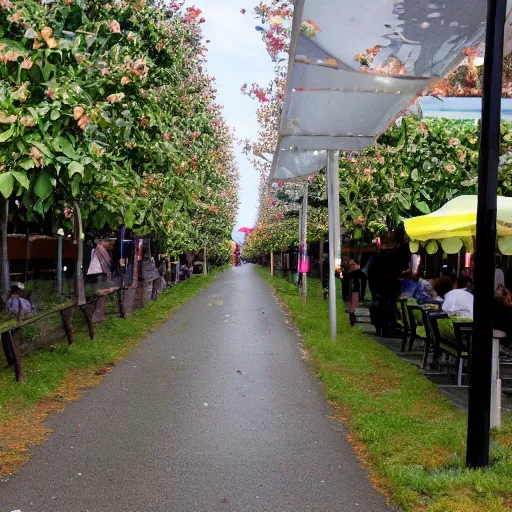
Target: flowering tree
[{"x": 109, "y": 105}]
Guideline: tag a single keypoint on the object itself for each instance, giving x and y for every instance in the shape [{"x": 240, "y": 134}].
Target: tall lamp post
[{"x": 481, "y": 369}]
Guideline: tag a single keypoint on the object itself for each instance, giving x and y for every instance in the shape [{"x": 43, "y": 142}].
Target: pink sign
[{"x": 304, "y": 266}]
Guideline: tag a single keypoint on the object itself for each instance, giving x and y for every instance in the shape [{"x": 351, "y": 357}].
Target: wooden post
[
  {"x": 4, "y": 218},
  {"x": 79, "y": 272},
  {"x": 271, "y": 263},
  {"x": 205, "y": 269}
]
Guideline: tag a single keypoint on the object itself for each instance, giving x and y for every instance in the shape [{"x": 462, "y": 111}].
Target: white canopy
[{"x": 354, "y": 66}]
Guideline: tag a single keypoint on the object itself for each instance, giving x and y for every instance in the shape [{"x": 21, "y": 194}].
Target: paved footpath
[{"x": 215, "y": 412}]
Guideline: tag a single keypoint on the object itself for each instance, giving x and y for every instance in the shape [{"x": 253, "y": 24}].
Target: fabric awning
[{"x": 355, "y": 66}]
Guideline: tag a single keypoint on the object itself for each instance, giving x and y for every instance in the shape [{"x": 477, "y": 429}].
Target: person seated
[
  {"x": 410, "y": 287},
  {"x": 442, "y": 285},
  {"x": 459, "y": 301},
  {"x": 15, "y": 303}
]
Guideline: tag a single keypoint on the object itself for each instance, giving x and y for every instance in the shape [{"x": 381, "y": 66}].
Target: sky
[{"x": 236, "y": 56}]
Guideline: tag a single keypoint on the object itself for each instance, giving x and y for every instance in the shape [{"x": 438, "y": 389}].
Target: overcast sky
[{"x": 236, "y": 56}]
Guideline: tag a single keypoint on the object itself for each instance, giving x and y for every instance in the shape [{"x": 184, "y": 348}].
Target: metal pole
[
  {"x": 205, "y": 269},
  {"x": 299, "y": 282},
  {"x": 305, "y": 241},
  {"x": 334, "y": 222},
  {"x": 271, "y": 263},
  {"x": 480, "y": 379},
  {"x": 59, "y": 264}
]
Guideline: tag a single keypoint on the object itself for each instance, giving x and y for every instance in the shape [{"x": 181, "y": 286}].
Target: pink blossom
[{"x": 114, "y": 27}]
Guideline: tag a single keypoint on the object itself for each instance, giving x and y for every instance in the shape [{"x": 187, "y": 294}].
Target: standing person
[
  {"x": 325, "y": 274},
  {"x": 357, "y": 278},
  {"x": 383, "y": 276}
]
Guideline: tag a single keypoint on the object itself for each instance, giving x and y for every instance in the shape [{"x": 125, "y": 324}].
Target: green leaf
[
  {"x": 75, "y": 185},
  {"x": 404, "y": 202},
  {"x": 75, "y": 167},
  {"x": 422, "y": 207},
  {"x": 129, "y": 219},
  {"x": 5, "y": 136},
  {"x": 65, "y": 147},
  {"x": 21, "y": 178},
  {"x": 27, "y": 164},
  {"x": 6, "y": 184},
  {"x": 43, "y": 187},
  {"x": 43, "y": 148},
  {"x": 54, "y": 115},
  {"x": 415, "y": 175}
]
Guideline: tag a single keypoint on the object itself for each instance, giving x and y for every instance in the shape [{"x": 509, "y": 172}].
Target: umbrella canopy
[{"x": 457, "y": 218}]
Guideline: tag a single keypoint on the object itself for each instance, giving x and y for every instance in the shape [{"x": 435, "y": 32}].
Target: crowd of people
[{"x": 387, "y": 281}]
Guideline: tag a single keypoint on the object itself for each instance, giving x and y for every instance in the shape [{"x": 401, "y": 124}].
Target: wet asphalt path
[{"x": 215, "y": 412}]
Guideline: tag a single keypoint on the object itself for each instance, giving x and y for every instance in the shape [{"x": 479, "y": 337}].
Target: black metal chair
[
  {"x": 402, "y": 320},
  {"x": 417, "y": 324},
  {"x": 457, "y": 347}
]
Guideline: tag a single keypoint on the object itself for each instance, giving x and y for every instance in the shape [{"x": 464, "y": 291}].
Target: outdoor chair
[
  {"x": 417, "y": 324},
  {"x": 402, "y": 320},
  {"x": 452, "y": 339}
]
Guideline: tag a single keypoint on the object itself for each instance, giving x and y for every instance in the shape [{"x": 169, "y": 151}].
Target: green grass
[
  {"x": 411, "y": 436},
  {"x": 46, "y": 369}
]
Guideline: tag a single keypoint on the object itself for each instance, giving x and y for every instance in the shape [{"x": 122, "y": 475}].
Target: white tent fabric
[{"x": 342, "y": 96}]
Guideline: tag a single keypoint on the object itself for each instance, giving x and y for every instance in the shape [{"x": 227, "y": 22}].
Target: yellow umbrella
[{"x": 457, "y": 218}]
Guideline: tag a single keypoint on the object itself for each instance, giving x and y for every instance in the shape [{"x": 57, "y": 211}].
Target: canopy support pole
[
  {"x": 333, "y": 200},
  {"x": 479, "y": 413}
]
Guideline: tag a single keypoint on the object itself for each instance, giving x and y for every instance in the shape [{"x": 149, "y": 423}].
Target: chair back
[{"x": 401, "y": 312}]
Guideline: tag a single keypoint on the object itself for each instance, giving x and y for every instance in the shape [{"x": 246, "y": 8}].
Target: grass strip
[
  {"x": 57, "y": 374},
  {"x": 411, "y": 437}
]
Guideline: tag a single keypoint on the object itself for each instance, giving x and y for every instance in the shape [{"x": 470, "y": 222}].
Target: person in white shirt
[{"x": 459, "y": 301}]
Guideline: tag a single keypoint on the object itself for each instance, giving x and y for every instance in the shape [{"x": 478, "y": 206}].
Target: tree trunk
[
  {"x": 4, "y": 217},
  {"x": 79, "y": 271},
  {"x": 27, "y": 258}
]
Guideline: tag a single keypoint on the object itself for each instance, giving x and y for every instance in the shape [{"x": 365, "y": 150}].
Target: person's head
[
  {"x": 463, "y": 281},
  {"x": 15, "y": 289},
  {"x": 447, "y": 271},
  {"x": 443, "y": 285}
]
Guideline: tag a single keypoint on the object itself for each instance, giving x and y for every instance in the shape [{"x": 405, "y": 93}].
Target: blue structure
[{"x": 460, "y": 108}]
